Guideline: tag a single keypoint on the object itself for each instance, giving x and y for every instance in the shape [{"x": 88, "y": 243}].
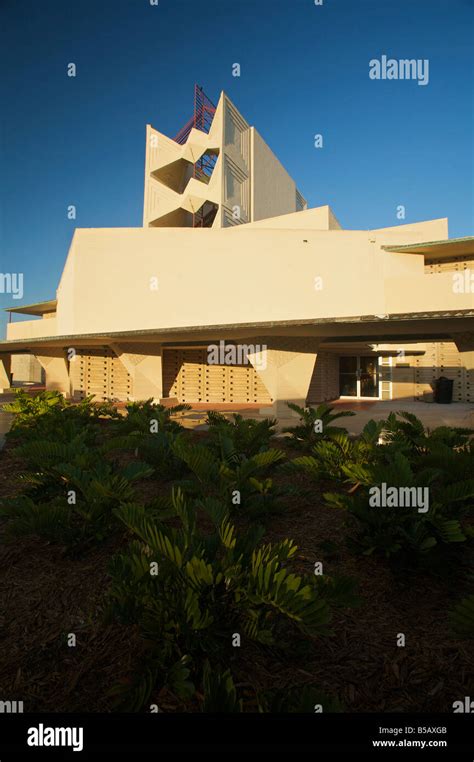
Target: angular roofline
[{"x": 38, "y": 308}]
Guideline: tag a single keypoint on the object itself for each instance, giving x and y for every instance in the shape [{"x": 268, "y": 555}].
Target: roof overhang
[
  {"x": 427, "y": 326},
  {"x": 453, "y": 247},
  {"x": 39, "y": 308}
]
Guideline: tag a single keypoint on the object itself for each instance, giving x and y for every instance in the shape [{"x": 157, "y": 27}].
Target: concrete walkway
[{"x": 431, "y": 414}]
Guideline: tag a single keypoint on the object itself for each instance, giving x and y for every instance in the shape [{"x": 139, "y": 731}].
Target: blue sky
[{"x": 304, "y": 70}]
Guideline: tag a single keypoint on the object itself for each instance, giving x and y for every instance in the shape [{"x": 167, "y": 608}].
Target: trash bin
[{"x": 443, "y": 390}]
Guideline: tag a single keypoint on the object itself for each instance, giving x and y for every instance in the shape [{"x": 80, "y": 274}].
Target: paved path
[{"x": 431, "y": 414}]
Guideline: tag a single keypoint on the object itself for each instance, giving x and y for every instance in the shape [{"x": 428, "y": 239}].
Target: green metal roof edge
[
  {"x": 304, "y": 322},
  {"x": 443, "y": 242}
]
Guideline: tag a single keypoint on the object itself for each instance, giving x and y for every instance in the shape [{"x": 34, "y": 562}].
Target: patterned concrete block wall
[
  {"x": 98, "y": 371},
  {"x": 324, "y": 383},
  {"x": 403, "y": 378},
  {"x": 457, "y": 264},
  {"x": 444, "y": 359},
  {"x": 188, "y": 376}
]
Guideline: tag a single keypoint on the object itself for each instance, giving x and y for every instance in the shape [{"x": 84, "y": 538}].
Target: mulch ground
[{"x": 46, "y": 594}]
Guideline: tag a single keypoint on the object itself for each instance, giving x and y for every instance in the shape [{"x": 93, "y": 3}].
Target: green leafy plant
[
  {"x": 70, "y": 501},
  {"x": 315, "y": 423},
  {"x": 150, "y": 431},
  {"x": 305, "y": 699},
  {"x": 234, "y": 478},
  {"x": 406, "y": 432},
  {"x": 51, "y": 520},
  {"x": 220, "y": 694},
  {"x": 451, "y": 464},
  {"x": 462, "y": 618},
  {"x": 247, "y": 436},
  {"x": 192, "y": 592},
  {"x": 158, "y": 451},
  {"x": 26, "y": 406},
  {"x": 392, "y": 530},
  {"x": 147, "y": 417},
  {"x": 48, "y": 416},
  {"x": 210, "y": 586},
  {"x": 330, "y": 456}
]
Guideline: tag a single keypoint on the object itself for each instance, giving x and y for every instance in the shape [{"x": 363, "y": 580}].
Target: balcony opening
[
  {"x": 205, "y": 217},
  {"x": 204, "y": 167}
]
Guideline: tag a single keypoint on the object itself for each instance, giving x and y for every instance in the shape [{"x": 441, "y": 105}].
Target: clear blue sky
[{"x": 304, "y": 70}]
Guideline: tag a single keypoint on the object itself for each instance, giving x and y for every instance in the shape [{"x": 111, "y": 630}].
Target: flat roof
[
  {"x": 39, "y": 308},
  {"x": 450, "y": 247}
]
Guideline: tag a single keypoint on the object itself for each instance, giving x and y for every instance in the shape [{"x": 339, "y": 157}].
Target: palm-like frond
[{"x": 462, "y": 618}]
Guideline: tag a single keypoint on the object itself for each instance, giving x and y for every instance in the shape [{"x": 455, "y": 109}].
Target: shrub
[
  {"x": 147, "y": 417},
  {"x": 48, "y": 416},
  {"x": 339, "y": 450},
  {"x": 70, "y": 501},
  {"x": 407, "y": 433},
  {"x": 237, "y": 480},
  {"x": 391, "y": 530},
  {"x": 462, "y": 618},
  {"x": 315, "y": 424},
  {"x": 149, "y": 430},
  {"x": 191, "y": 592},
  {"x": 220, "y": 695},
  {"x": 246, "y": 436},
  {"x": 205, "y": 581},
  {"x": 27, "y": 406},
  {"x": 158, "y": 451}
]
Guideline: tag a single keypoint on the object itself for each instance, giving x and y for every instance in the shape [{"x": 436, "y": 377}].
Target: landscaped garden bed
[{"x": 147, "y": 567}]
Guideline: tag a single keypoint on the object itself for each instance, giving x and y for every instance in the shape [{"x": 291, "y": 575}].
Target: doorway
[{"x": 359, "y": 376}]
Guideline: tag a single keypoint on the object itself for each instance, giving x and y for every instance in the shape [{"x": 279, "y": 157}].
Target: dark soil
[{"x": 46, "y": 593}]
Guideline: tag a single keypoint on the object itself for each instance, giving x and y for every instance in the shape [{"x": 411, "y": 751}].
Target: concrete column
[
  {"x": 144, "y": 364},
  {"x": 5, "y": 372},
  {"x": 56, "y": 369},
  {"x": 287, "y": 372}
]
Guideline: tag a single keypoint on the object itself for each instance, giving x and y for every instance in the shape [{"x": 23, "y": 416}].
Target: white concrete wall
[
  {"x": 31, "y": 329},
  {"x": 273, "y": 190},
  {"x": 213, "y": 277},
  {"x": 319, "y": 218}
]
